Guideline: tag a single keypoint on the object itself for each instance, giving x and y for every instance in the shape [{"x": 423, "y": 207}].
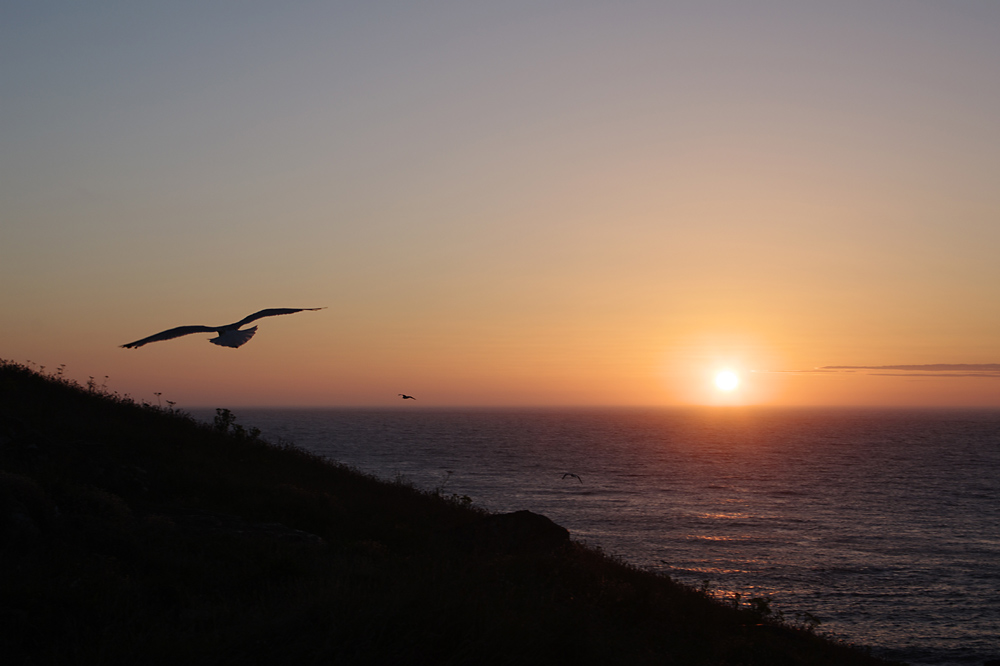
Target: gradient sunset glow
[{"x": 507, "y": 203}]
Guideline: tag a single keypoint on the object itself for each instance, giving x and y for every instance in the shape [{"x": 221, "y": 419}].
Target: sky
[{"x": 499, "y": 204}]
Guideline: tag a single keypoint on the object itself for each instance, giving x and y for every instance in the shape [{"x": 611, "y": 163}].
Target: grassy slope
[{"x": 132, "y": 535}]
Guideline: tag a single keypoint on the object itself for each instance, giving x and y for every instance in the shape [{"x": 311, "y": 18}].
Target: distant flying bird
[
  {"x": 229, "y": 335},
  {"x": 406, "y": 397},
  {"x": 573, "y": 475}
]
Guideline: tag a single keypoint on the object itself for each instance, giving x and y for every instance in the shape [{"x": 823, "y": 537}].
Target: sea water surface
[{"x": 883, "y": 524}]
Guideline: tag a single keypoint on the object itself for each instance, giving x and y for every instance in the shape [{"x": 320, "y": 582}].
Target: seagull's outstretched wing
[
  {"x": 229, "y": 336},
  {"x": 171, "y": 334},
  {"x": 270, "y": 312}
]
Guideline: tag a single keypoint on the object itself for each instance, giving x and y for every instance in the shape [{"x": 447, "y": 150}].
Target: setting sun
[{"x": 726, "y": 380}]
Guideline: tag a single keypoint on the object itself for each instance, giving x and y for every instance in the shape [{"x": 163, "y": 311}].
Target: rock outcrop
[{"x": 520, "y": 531}]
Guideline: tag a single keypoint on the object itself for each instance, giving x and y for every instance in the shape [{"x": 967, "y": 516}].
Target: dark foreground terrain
[{"x": 131, "y": 534}]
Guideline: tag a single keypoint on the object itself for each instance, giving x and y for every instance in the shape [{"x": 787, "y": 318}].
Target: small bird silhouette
[
  {"x": 575, "y": 476},
  {"x": 229, "y": 335},
  {"x": 406, "y": 397}
]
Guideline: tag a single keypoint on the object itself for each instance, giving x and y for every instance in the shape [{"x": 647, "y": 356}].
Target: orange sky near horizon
[{"x": 528, "y": 204}]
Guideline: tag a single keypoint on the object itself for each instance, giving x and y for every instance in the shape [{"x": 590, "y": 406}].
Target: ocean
[{"x": 882, "y": 524}]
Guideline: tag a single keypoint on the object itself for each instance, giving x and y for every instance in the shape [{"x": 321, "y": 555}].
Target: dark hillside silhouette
[{"x": 131, "y": 534}]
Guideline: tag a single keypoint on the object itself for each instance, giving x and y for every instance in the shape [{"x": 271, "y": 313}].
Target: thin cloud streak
[
  {"x": 937, "y": 370},
  {"x": 928, "y": 367},
  {"x": 987, "y": 375}
]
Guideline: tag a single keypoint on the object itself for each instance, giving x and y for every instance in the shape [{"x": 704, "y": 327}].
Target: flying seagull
[
  {"x": 575, "y": 476},
  {"x": 229, "y": 335},
  {"x": 406, "y": 397}
]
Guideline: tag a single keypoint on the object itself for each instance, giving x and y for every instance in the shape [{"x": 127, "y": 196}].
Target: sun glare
[{"x": 726, "y": 380}]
